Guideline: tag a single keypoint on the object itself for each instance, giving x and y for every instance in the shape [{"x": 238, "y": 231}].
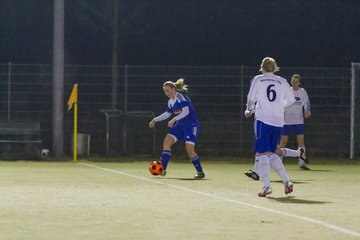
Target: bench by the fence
[{"x": 20, "y": 132}]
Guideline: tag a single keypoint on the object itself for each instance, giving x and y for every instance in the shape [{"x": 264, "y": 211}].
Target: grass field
[{"x": 121, "y": 200}]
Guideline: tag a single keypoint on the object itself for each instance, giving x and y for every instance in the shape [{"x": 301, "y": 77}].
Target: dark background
[{"x": 315, "y": 33}]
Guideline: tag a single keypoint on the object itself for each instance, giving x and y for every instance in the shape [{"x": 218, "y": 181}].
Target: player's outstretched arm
[{"x": 159, "y": 118}]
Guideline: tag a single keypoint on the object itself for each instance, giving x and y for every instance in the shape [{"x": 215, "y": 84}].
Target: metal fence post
[
  {"x": 352, "y": 111},
  {"x": 9, "y": 93},
  {"x": 124, "y": 144},
  {"x": 58, "y": 81},
  {"x": 241, "y": 107}
]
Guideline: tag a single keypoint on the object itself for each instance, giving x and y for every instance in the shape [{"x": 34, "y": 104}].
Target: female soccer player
[
  {"x": 183, "y": 127},
  {"x": 267, "y": 98},
  {"x": 294, "y": 117}
]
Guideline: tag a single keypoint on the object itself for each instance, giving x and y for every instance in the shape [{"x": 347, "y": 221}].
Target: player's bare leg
[
  {"x": 283, "y": 141},
  {"x": 168, "y": 142}
]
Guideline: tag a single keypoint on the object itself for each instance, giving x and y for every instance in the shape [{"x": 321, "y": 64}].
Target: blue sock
[
  {"x": 165, "y": 158},
  {"x": 196, "y": 162}
]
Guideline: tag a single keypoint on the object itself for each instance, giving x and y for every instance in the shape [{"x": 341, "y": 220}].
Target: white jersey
[
  {"x": 294, "y": 113},
  {"x": 268, "y": 96}
]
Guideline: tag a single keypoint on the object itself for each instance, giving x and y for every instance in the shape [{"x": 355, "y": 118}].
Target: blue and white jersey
[
  {"x": 268, "y": 96},
  {"x": 176, "y": 105},
  {"x": 294, "y": 113}
]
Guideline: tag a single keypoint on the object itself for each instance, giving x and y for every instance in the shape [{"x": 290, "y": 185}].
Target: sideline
[{"x": 305, "y": 219}]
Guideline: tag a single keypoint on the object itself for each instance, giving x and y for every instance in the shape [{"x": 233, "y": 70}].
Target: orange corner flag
[{"x": 73, "y": 97}]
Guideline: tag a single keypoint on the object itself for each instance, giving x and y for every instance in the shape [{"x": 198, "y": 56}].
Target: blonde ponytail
[{"x": 179, "y": 85}]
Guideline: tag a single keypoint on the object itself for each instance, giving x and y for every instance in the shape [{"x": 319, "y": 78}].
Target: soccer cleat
[
  {"x": 163, "y": 172},
  {"x": 265, "y": 191},
  {"x": 199, "y": 175},
  {"x": 289, "y": 187},
  {"x": 253, "y": 175},
  {"x": 304, "y": 167},
  {"x": 303, "y": 156}
]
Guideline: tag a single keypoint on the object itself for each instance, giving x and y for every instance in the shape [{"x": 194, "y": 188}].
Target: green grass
[{"x": 121, "y": 200}]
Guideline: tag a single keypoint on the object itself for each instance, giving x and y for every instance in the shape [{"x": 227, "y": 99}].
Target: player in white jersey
[
  {"x": 294, "y": 117},
  {"x": 267, "y": 98}
]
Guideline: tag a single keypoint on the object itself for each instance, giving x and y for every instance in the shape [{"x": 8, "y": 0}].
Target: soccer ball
[
  {"x": 155, "y": 168},
  {"x": 44, "y": 152}
]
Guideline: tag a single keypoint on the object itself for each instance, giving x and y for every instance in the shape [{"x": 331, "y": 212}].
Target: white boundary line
[{"x": 305, "y": 219}]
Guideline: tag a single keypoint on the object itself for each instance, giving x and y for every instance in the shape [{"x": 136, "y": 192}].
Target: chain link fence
[{"x": 218, "y": 94}]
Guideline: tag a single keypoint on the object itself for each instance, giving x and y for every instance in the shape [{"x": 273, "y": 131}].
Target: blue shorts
[
  {"x": 186, "y": 133},
  {"x": 267, "y": 137},
  {"x": 297, "y": 128}
]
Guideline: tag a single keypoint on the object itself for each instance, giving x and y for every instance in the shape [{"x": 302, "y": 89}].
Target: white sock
[
  {"x": 287, "y": 152},
  {"x": 256, "y": 166},
  {"x": 301, "y": 162},
  {"x": 278, "y": 166},
  {"x": 264, "y": 167}
]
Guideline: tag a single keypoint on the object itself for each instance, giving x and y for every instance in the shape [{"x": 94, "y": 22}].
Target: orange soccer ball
[{"x": 156, "y": 168}]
